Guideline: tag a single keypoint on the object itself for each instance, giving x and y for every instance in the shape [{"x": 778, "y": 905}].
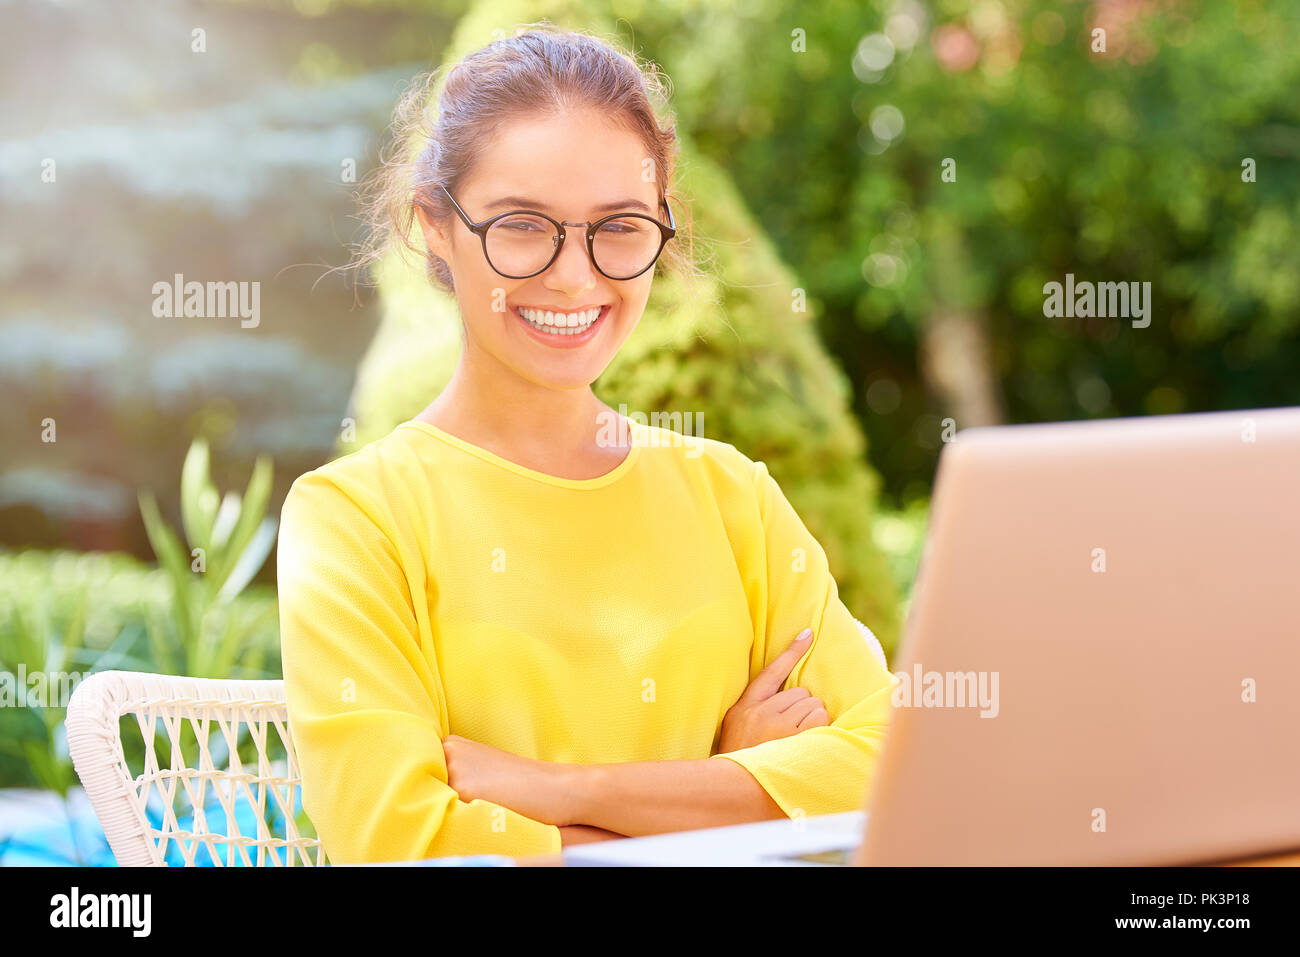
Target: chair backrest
[
  {"x": 872, "y": 642},
  {"x": 211, "y": 719}
]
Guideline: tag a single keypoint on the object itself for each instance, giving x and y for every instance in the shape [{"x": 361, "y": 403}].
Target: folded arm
[{"x": 818, "y": 770}]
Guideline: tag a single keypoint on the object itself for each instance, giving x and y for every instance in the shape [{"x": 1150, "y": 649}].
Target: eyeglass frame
[{"x": 666, "y": 232}]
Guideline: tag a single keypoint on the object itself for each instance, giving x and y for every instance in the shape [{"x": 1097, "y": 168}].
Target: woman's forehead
[{"x": 568, "y": 162}]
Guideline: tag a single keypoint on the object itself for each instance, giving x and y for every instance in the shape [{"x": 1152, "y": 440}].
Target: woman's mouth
[{"x": 562, "y": 328}]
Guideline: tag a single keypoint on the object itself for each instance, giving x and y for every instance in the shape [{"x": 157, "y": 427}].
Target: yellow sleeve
[
  {"x": 821, "y": 770},
  {"x": 361, "y": 695}
]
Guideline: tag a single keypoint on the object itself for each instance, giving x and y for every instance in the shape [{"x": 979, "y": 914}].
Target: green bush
[
  {"x": 84, "y": 612},
  {"x": 74, "y": 614}
]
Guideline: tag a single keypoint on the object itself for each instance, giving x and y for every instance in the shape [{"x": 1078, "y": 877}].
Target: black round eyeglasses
[{"x": 523, "y": 243}]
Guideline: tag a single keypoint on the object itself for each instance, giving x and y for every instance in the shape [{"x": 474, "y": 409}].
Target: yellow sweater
[{"x": 430, "y": 587}]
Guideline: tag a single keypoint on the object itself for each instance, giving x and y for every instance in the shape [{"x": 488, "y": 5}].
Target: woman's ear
[{"x": 439, "y": 242}]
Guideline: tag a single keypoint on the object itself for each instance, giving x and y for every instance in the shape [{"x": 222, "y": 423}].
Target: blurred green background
[{"x": 860, "y": 297}]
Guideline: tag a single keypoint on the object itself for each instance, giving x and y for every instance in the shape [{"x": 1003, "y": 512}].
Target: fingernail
[{"x": 804, "y": 635}]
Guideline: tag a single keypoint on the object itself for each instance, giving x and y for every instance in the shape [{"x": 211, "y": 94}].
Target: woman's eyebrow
[{"x": 522, "y": 202}]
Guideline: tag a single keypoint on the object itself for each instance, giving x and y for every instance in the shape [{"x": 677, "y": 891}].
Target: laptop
[{"x": 1101, "y": 664}]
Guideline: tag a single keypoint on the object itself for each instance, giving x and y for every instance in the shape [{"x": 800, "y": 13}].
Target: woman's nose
[{"x": 573, "y": 271}]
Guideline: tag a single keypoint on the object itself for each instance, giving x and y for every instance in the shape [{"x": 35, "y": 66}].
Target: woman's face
[{"x": 570, "y": 166}]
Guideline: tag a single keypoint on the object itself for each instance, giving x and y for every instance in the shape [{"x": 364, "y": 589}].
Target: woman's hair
[{"x": 539, "y": 71}]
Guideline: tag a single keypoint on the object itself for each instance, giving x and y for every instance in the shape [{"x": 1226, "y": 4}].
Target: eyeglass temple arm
[
  {"x": 473, "y": 226},
  {"x": 672, "y": 224}
]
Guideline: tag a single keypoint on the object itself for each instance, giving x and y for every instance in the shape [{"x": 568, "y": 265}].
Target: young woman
[{"x": 521, "y": 620}]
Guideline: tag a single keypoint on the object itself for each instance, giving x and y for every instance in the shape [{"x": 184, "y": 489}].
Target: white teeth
[
  {"x": 561, "y": 319},
  {"x": 559, "y": 323}
]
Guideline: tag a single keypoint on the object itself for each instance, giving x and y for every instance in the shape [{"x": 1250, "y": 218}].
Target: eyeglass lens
[{"x": 521, "y": 244}]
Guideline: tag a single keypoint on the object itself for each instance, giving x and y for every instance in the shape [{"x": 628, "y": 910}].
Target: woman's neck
[{"x": 555, "y": 432}]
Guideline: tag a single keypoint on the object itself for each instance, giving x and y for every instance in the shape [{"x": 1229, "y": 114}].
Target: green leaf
[
  {"x": 227, "y": 516},
  {"x": 29, "y": 630},
  {"x": 50, "y": 772},
  {"x": 249, "y": 561},
  {"x": 199, "y": 499},
  {"x": 167, "y": 547},
  {"x": 160, "y": 648},
  {"x": 115, "y": 656},
  {"x": 73, "y": 637},
  {"x": 251, "y": 512}
]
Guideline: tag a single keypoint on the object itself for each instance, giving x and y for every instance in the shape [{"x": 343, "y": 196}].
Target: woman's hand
[
  {"x": 481, "y": 772},
  {"x": 764, "y": 712}
]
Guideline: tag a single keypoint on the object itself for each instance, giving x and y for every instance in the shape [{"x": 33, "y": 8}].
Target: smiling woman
[{"x": 504, "y": 631}]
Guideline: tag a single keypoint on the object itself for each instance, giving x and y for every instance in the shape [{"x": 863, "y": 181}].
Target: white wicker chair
[
  {"x": 872, "y": 642},
  {"x": 209, "y": 707}
]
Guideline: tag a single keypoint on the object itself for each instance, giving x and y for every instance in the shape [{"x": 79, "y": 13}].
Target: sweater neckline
[{"x": 599, "y": 481}]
